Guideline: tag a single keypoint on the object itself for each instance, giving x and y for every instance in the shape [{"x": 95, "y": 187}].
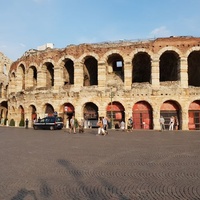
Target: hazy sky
[{"x": 27, "y": 24}]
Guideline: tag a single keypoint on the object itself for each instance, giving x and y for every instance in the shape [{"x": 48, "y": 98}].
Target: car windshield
[{"x": 59, "y": 119}]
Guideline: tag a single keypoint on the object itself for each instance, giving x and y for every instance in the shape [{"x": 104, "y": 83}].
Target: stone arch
[
  {"x": 31, "y": 77},
  {"x": 12, "y": 83},
  {"x": 115, "y": 111},
  {"x": 67, "y": 66},
  {"x": 169, "y": 48},
  {"x": 141, "y": 67},
  {"x": 90, "y": 114},
  {"x": 21, "y": 113},
  {"x": 115, "y": 67},
  {"x": 194, "y": 68},
  {"x": 142, "y": 115},
  {"x": 169, "y": 66},
  {"x": 4, "y": 112},
  {"x": 194, "y": 115},
  {"x": 171, "y": 108},
  {"x": 67, "y": 110},
  {"x": 33, "y": 113},
  {"x": 90, "y": 71},
  {"x": 48, "y": 74},
  {"x": 20, "y": 77},
  {"x": 48, "y": 109},
  {"x": 82, "y": 58}
]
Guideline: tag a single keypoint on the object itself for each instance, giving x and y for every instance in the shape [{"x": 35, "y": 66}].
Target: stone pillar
[
  {"x": 78, "y": 74},
  {"x": 184, "y": 119},
  {"x": 183, "y": 72},
  {"x": 101, "y": 75},
  {"x": 58, "y": 78},
  {"x": 155, "y": 74},
  {"x": 41, "y": 78},
  {"x": 29, "y": 78},
  {"x": 156, "y": 117},
  {"x": 127, "y": 75}
]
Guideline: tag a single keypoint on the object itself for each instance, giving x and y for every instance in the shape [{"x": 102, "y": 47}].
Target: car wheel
[{"x": 51, "y": 128}]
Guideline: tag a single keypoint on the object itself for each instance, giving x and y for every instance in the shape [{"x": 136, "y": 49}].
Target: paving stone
[{"x": 56, "y": 165}]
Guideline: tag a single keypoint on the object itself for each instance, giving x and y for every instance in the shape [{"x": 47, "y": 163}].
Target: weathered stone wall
[{"x": 23, "y": 94}]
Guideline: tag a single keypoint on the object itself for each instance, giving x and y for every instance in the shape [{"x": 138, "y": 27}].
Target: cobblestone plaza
[{"x": 56, "y": 165}]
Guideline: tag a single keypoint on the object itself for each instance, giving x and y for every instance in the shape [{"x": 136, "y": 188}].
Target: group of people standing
[
  {"x": 75, "y": 125},
  {"x": 173, "y": 123}
]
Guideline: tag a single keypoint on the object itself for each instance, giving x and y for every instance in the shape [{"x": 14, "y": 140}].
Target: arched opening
[
  {"x": 90, "y": 72},
  {"x": 141, "y": 68},
  {"x": 116, "y": 113},
  {"x": 68, "y": 112},
  {"x": 116, "y": 67},
  {"x": 31, "y": 77},
  {"x": 21, "y": 112},
  {"x": 169, "y": 109},
  {"x": 68, "y": 72},
  {"x": 49, "y": 110},
  {"x": 4, "y": 112},
  {"x": 194, "y": 69},
  {"x": 21, "y": 76},
  {"x": 90, "y": 114},
  {"x": 142, "y": 115},
  {"x": 169, "y": 66},
  {"x": 1, "y": 90},
  {"x": 33, "y": 113},
  {"x": 49, "y": 75},
  {"x": 194, "y": 115}
]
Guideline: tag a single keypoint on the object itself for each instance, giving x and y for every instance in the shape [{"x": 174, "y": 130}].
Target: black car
[{"x": 51, "y": 123}]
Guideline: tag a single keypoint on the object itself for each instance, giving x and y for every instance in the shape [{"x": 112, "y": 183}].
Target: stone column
[
  {"x": 156, "y": 117},
  {"x": 184, "y": 119},
  {"x": 101, "y": 75},
  {"x": 78, "y": 74},
  {"x": 127, "y": 75},
  {"x": 58, "y": 78},
  {"x": 183, "y": 72},
  {"x": 41, "y": 78},
  {"x": 155, "y": 74}
]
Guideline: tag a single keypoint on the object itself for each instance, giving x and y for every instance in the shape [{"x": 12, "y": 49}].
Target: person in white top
[
  {"x": 122, "y": 125},
  {"x": 171, "y": 123}
]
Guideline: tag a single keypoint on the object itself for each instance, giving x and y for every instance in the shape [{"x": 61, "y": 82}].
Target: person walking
[
  {"x": 100, "y": 127},
  {"x": 26, "y": 122},
  {"x": 105, "y": 125},
  {"x": 171, "y": 123},
  {"x": 129, "y": 125},
  {"x": 176, "y": 124},
  {"x": 122, "y": 125},
  {"x": 162, "y": 123},
  {"x": 72, "y": 125}
]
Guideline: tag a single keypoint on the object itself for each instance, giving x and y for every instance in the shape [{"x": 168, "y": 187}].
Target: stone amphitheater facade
[
  {"x": 5, "y": 64},
  {"x": 139, "y": 79}
]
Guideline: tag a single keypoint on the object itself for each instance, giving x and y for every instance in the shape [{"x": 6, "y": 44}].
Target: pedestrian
[
  {"x": 162, "y": 123},
  {"x": 81, "y": 126},
  {"x": 72, "y": 125},
  {"x": 105, "y": 125},
  {"x": 171, "y": 123},
  {"x": 176, "y": 124},
  {"x": 129, "y": 125},
  {"x": 122, "y": 125},
  {"x": 101, "y": 130},
  {"x": 26, "y": 122}
]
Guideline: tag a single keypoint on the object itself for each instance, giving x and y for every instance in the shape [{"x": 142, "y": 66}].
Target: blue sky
[{"x": 27, "y": 24}]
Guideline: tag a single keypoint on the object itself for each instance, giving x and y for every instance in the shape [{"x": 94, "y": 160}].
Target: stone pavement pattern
[{"x": 55, "y": 165}]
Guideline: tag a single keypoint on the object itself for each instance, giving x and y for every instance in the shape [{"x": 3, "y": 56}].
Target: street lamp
[{"x": 111, "y": 106}]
